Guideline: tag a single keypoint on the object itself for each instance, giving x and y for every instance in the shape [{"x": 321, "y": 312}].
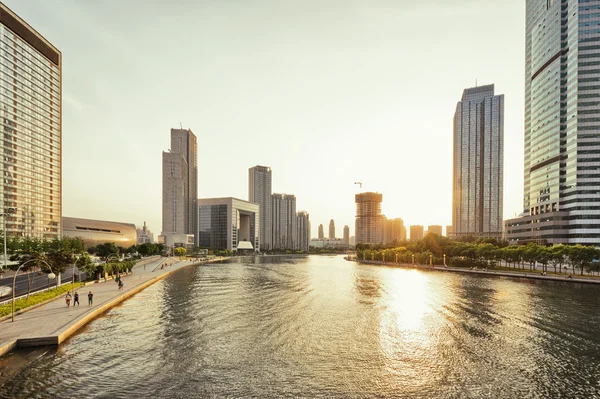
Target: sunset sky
[{"x": 326, "y": 92}]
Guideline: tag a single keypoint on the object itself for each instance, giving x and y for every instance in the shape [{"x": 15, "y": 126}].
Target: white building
[
  {"x": 259, "y": 192},
  {"x": 144, "y": 235}
]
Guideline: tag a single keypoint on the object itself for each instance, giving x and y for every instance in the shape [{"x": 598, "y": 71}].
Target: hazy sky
[{"x": 326, "y": 92}]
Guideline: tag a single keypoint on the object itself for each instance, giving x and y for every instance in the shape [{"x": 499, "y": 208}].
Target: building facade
[
  {"x": 416, "y": 233},
  {"x": 434, "y": 229},
  {"x": 144, "y": 235},
  {"x": 180, "y": 184},
  {"x": 284, "y": 221},
  {"x": 95, "y": 232},
  {"x": 394, "y": 231},
  {"x": 477, "y": 186},
  {"x": 303, "y": 230},
  {"x": 228, "y": 223},
  {"x": 321, "y": 234},
  {"x": 346, "y": 237},
  {"x": 562, "y": 125},
  {"x": 449, "y": 232},
  {"x": 259, "y": 192},
  {"x": 331, "y": 229},
  {"x": 369, "y": 220},
  {"x": 31, "y": 114}
]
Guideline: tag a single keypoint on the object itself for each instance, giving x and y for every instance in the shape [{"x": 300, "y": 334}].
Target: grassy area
[{"x": 36, "y": 298}]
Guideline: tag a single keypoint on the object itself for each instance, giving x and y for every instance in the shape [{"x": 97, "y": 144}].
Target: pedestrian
[
  {"x": 90, "y": 298},
  {"x": 120, "y": 284},
  {"x": 76, "y": 299},
  {"x": 68, "y": 299},
  {"x": 117, "y": 279}
]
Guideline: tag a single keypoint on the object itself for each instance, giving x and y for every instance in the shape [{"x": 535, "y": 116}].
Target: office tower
[
  {"x": 393, "y": 231},
  {"x": 435, "y": 229},
  {"x": 562, "y": 130},
  {"x": 449, "y": 232},
  {"x": 303, "y": 228},
  {"x": 144, "y": 235},
  {"x": 229, "y": 223},
  {"x": 331, "y": 229},
  {"x": 416, "y": 233},
  {"x": 321, "y": 232},
  {"x": 478, "y": 163},
  {"x": 31, "y": 113},
  {"x": 259, "y": 192},
  {"x": 369, "y": 220},
  {"x": 284, "y": 221},
  {"x": 346, "y": 238},
  {"x": 180, "y": 184}
]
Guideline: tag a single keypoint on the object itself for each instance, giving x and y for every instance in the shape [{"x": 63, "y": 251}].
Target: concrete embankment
[
  {"x": 54, "y": 322},
  {"x": 528, "y": 275}
]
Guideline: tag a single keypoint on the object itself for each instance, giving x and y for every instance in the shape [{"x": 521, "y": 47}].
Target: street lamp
[
  {"x": 431, "y": 260},
  {"x": 51, "y": 275},
  {"x": 8, "y": 211},
  {"x": 444, "y": 259},
  {"x": 77, "y": 256},
  {"x": 413, "y": 259}
]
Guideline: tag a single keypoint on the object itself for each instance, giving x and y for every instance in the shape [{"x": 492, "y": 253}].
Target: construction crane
[{"x": 359, "y": 183}]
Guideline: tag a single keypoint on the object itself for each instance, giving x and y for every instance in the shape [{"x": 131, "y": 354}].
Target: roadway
[{"x": 40, "y": 282}]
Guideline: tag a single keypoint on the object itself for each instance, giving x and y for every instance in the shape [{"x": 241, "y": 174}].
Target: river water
[{"x": 327, "y": 328}]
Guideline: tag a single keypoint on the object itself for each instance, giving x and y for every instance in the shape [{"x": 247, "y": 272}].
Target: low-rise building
[
  {"x": 175, "y": 240},
  {"x": 95, "y": 232}
]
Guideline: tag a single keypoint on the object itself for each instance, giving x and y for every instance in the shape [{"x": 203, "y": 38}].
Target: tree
[
  {"x": 558, "y": 255},
  {"x": 85, "y": 264},
  {"x": 106, "y": 249},
  {"x": 581, "y": 256},
  {"x": 180, "y": 251}
]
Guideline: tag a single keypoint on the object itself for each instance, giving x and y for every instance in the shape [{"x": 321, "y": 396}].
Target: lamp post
[
  {"x": 51, "y": 275},
  {"x": 444, "y": 259},
  {"x": 77, "y": 256},
  {"x": 413, "y": 259},
  {"x": 430, "y": 260},
  {"x": 8, "y": 211}
]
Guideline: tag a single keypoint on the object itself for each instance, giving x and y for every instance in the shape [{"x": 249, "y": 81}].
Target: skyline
[{"x": 121, "y": 97}]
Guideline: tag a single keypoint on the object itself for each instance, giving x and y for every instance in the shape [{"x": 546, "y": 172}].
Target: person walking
[
  {"x": 90, "y": 298},
  {"x": 68, "y": 299},
  {"x": 76, "y": 299},
  {"x": 120, "y": 284}
]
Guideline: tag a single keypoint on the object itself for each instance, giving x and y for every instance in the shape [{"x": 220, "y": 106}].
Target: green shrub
[{"x": 36, "y": 298}]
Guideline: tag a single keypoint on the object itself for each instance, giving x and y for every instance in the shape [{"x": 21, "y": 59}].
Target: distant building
[
  {"x": 229, "y": 223},
  {"x": 331, "y": 229},
  {"x": 303, "y": 230},
  {"x": 180, "y": 184},
  {"x": 144, "y": 235},
  {"x": 477, "y": 189},
  {"x": 416, "y": 233},
  {"x": 328, "y": 243},
  {"x": 449, "y": 231},
  {"x": 435, "y": 229},
  {"x": 369, "y": 220},
  {"x": 95, "y": 232},
  {"x": 346, "y": 238},
  {"x": 352, "y": 240},
  {"x": 393, "y": 231},
  {"x": 321, "y": 232},
  {"x": 259, "y": 192},
  {"x": 175, "y": 240},
  {"x": 284, "y": 221}
]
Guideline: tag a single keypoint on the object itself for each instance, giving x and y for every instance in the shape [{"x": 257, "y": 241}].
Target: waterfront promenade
[{"x": 53, "y": 322}]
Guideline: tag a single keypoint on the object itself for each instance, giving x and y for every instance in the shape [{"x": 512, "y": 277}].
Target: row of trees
[
  {"x": 109, "y": 248},
  {"x": 486, "y": 253}
]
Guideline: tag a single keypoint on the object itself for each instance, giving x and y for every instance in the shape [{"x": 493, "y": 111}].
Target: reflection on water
[{"x": 322, "y": 327}]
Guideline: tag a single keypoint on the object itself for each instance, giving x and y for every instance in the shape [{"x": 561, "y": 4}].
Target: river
[{"x": 322, "y": 327}]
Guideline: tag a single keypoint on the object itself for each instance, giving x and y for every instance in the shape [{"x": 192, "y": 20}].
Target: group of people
[{"x": 76, "y": 299}]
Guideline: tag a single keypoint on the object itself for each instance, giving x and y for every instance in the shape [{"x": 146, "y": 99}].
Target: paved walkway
[{"x": 53, "y": 322}]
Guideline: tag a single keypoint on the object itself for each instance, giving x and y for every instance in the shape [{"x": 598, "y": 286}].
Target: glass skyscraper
[
  {"x": 477, "y": 186},
  {"x": 561, "y": 201},
  {"x": 259, "y": 192},
  {"x": 31, "y": 114}
]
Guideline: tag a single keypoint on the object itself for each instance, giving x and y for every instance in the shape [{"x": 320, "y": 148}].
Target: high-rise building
[
  {"x": 259, "y": 192},
  {"x": 478, "y": 163},
  {"x": 392, "y": 231},
  {"x": 331, "y": 229},
  {"x": 346, "y": 238},
  {"x": 144, "y": 235},
  {"x": 435, "y": 229},
  {"x": 31, "y": 114},
  {"x": 369, "y": 220},
  {"x": 562, "y": 125},
  {"x": 180, "y": 184},
  {"x": 416, "y": 233},
  {"x": 284, "y": 221},
  {"x": 303, "y": 228},
  {"x": 321, "y": 232},
  {"x": 449, "y": 232}
]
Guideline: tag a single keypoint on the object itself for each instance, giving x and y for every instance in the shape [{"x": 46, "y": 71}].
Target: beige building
[
  {"x": 284, "y": 221},
  {"x": 416, "y": 233},
  {"x": 394, "y": 231},
  {"x": 144, "y": 235},
  {"x": 259, "y": 192},
  {"x": 369, "y": 220},
  {"x": 321, "y": 232},
  {"x": 331, "y": 229},
  {"x": 95, "y": 232},
  {"x": 346, "y": 238},
  {"x": 180, "y": 184},
  {"x": 435, "y": 229},
  {"x": 303, "y": 227},
  {"x": 31, "y": 114},
  {"x": 449, "y": 231}
]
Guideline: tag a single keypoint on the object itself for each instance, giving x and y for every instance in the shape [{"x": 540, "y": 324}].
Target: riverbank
[
  {"x": 527, "y": 274},
  {"x": 54, "y": 322}
]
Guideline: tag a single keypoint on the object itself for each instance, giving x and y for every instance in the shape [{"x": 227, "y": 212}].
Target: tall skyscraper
[
  {"x": 180, "y": 184},
  {"x": 562, "y": 125},
  {"x": 259, "y": 192},
  {"x": 477, "y": 192},
  {"x": 303, "y": 228},
  {"x": 369, "y": 220},
  {"x": 346, "y": 238},
  {"x": 416, "y": 233},
  {"x": 31, "y": 114},
  {"x": 284, "y": 221},
  {"x": 321, "y": 232},
  {"x": 331, "y": 229}
]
